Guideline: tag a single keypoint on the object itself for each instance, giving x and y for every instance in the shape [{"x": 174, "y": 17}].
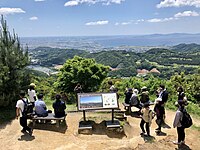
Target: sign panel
[{"x": 88, "y": 101}]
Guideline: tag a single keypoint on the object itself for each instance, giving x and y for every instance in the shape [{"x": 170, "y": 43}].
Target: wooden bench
[{"x": 49, "y": 117}]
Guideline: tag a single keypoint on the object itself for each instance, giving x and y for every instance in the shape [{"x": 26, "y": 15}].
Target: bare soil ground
[{"x": 47, "y": 136}]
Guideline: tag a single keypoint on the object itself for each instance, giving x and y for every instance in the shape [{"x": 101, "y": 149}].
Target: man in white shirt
[{"x": 19, "y": 113}]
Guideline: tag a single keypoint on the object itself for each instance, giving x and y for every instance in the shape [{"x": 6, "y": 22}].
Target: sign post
[{"x": 97, "y": 101}]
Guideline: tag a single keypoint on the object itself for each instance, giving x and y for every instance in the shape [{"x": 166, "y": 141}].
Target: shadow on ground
[
  {"x": 100, "y": 129},
  {"x": 50, "y": 126},
  {"x": 26, "y": 137}
]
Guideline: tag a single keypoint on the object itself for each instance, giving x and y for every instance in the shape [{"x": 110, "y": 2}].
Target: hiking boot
[
  {"x": 23, "y": 131},
  {"x": 176, "y": 142},
  {"x": 30, "y": 132},
  {"x": 143, "y": 133},
  {"x": 157, "y": 128}
]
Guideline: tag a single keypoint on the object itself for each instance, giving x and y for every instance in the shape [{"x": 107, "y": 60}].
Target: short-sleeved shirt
[
  {"x": 40, "y": 107},
  {"x": 20, "y": 105},
  {"x": 31, "y": 94}
]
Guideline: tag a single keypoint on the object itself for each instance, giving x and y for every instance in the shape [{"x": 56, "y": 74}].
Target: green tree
[
  {"x": 81, "y": 70},
  {"x": 13, "y": 60}
]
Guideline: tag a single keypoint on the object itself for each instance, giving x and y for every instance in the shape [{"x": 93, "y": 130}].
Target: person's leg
[
  {"x": 23, "y": 123},
  {"x": 148, "y": 128},
  {"x": 180, "y": 134},
  {"x": 142, "y": 125}
]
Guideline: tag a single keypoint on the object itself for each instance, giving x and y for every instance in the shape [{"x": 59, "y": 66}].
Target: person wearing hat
[
  {"x": 144, "y": 96},
  {"x": 160, "y": 112},
  {"x": 59, "y": 107},
  {"x": 32, "y": 94},
  {"x": 147, "y": 115},
  {"x": 134, "y": 101}
]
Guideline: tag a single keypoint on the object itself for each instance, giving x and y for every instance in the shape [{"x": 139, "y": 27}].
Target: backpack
[
  {"x": 186, "y": 121},
  {"x": 28, "y": 109}
]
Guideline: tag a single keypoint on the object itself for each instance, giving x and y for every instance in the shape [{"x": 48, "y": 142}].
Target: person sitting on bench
[
  {"x": 40, "y": 107},
  {"x": 134, "y": 101},
  {"x": 59, "y": 107}
]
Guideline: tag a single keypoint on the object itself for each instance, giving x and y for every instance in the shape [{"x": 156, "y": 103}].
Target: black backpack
[
  {"x": 28, "y": 109},
  {"x": 186, "y": 121}
]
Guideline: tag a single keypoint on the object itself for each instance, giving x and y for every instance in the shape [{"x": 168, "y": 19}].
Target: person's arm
[{"x": 17, "y": 112}]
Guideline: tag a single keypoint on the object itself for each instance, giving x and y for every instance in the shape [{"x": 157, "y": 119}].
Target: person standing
[
  {"x": 147, "y": 116},
  {"x": 144, "y": 96},
  {"x": 78, "y": 88},
  {"x": 164, "y": 96},
  {"x": 59, "y": 107},
  {"x": 177, "y": 123},
  {"x": 19, "y": 113},
  {"x": 128, "y": 93},
  {"x": 159, "y": 110},
  {"x": 32, "y": 95}
]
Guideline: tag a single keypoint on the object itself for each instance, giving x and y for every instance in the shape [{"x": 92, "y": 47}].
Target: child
[
  {"x": 159, "y": 110},
  {"x": 146, "y": 119}
]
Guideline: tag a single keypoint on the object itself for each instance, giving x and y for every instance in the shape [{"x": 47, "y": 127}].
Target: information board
[{"x": 88, "y": 101}]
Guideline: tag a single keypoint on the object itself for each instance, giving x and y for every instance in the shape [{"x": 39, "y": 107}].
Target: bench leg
[
  {"x": 33, "y": 123},
  {"x": 129, "y": 109},
  {"x": 57, "y": 123}
]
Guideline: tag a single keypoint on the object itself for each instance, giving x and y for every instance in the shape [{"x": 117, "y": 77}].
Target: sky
[{"x": 35, "y": 18}]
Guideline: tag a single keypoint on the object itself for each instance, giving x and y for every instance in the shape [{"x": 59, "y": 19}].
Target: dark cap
[
  {"x": 58, "y": 96},
  {"x": 40, "y": 96},
  {"x": 22, "y": 93}
]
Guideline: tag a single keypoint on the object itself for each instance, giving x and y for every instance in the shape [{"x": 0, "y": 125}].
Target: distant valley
[{"x": 136, "y": 43}]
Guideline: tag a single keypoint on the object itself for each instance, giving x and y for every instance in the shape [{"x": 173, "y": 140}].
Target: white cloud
[
  {"x": 71, "y": 3},
  {"x": 186, "y": 14},
  {"x": 91, "y": 2},
  {"x": 101, "y": 22},
  {"x": 126, "y": 23},
  {"x": 156, "y": 20},
  {"x": 7, "y": 11},
  {"x": 178, "y": 3},
  {"x": 33, "y": 18}
]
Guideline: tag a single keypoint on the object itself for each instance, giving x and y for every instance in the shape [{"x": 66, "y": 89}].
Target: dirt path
[{"x": 49, "y": 137}]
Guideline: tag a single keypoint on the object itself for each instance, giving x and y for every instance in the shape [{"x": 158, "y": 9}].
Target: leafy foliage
[
  {"x": 81, "y": 70},
  {"x": 13, "y": 60}
]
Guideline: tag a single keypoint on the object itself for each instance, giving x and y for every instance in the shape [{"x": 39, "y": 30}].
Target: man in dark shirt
[{"x": 59, "y": 107}]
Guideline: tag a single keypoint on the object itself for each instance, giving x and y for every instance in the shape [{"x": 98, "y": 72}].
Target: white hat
[{"x": 33, "y": 84}]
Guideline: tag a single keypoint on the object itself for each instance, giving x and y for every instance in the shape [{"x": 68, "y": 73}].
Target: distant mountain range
[{"x": 98, "y": 43}]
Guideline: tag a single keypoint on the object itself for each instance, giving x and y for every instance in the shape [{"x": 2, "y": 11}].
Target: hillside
[{"x": 125, "y": 63}]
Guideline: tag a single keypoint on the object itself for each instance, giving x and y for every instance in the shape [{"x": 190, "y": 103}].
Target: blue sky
[{"x": 101, "y": 17}]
